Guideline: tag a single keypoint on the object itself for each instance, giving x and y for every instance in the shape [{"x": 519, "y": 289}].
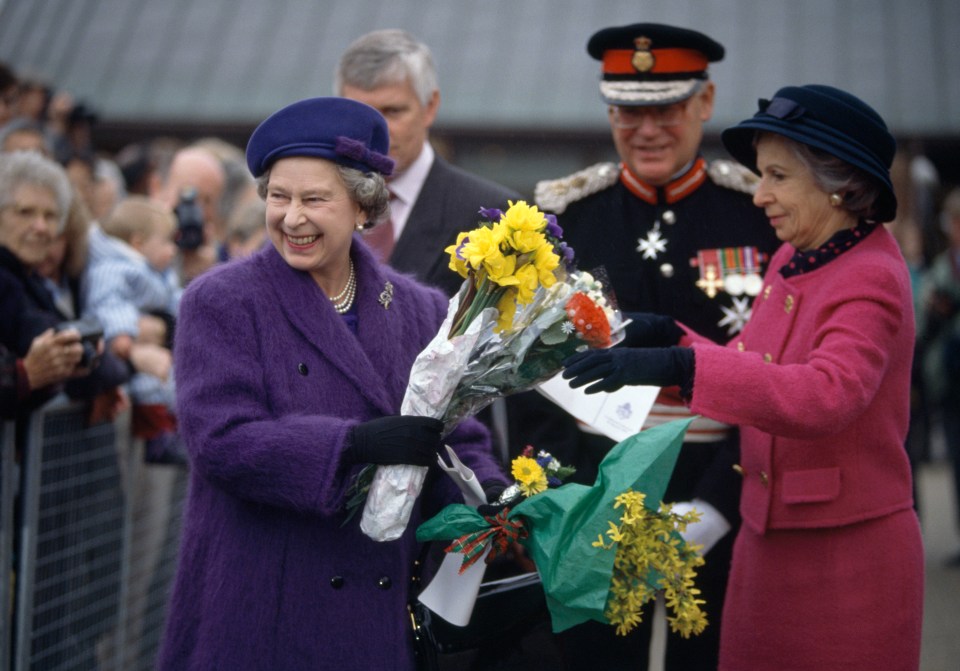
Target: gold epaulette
[
  {"x": 553, "y": 195},
  {"x": 733, "y": 175}
]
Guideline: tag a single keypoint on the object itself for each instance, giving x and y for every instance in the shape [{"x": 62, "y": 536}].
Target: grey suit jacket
[{"x": 448, "y": 204}]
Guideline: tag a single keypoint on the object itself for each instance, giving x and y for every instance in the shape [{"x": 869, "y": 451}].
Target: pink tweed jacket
[{"x": 818, "y": 380}]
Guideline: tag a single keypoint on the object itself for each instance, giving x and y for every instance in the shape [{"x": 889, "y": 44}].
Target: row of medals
[{"x": 733, "y": 283}]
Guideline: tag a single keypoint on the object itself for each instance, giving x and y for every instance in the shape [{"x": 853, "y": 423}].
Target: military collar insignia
[
  {"x": 676, "y": 190},
  {"x": 643, "y": 60}
]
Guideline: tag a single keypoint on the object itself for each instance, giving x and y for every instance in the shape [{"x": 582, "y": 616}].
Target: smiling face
[
  {"x": 29, "y": 223},
  {"x": 656, "y": 153},
  {"x": 408, "y": 119},
  {"x": 311, "y": 218},
  {"x": 799, "y": 211}
]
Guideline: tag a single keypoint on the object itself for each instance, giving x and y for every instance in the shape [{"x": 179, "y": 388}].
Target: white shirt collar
[{"x": 406, "y": 188}]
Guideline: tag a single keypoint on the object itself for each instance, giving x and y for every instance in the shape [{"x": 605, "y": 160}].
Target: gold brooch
[{"x": 386, "y": 296}]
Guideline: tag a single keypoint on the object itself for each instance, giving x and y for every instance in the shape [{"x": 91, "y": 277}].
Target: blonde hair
[{"x": 137, "y": 215}]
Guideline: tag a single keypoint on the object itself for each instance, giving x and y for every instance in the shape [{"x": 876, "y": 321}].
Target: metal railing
[{"x": 90, "y": 534}]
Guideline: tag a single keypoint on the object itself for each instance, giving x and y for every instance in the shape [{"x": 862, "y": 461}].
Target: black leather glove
[
  {"x": 611, "y": 369},
  {"x": 492, "y": 490},
  {"x": 397, "y": 439},
  {"x": 647, "y": 329}
]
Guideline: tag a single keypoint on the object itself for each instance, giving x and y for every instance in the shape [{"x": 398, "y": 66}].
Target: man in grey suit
[{"x": 393, "y": 72}]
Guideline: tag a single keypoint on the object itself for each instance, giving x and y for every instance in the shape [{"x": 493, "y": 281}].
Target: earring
[
  {"x": 360, "y": 226},
  {"x": 836, "y": 199}
]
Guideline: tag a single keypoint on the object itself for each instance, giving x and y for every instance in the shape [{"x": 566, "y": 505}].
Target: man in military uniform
[{"x": 677, "y": 236}]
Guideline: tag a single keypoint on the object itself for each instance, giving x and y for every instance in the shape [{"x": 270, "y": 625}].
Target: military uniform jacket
[{"x": 656, "y": 247}]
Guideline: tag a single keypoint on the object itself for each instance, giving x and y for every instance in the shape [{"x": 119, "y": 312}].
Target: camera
[
  {"x": 91, "y": 333},
  {"x": 189, "y": 220}
]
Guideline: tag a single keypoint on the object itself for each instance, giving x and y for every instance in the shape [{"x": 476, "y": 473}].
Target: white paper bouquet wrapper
[{"x": 433, "y": 380}]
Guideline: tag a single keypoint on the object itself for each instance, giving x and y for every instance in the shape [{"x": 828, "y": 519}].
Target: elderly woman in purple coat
[{"x": 292, "y": 365}]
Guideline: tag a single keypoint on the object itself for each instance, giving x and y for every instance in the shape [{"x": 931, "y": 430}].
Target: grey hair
[
  {"x": 834, "y": 175},
  {"x": 385, "y": 57},
  {"x": 367, "y": 189},
  {"x": 29, "y": 167}
]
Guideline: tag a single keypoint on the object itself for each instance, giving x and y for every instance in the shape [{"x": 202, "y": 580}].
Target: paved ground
[{"x": 941, "y": 622}]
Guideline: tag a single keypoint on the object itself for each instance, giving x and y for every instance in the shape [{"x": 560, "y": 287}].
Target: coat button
[
  {"x": 739, "y": 469},
  {"x": 766, "y": 291},
  {"x": 741, "y": 347},
  {"x": 788, "y": 304},
  {"x": 666, "y": 270},
  {"x": 336, "y": 582},
  {"x": 384, "y": 582},
  {"x": 768, "y": 358},
  {"x": 669, "y": 217},
  {"x": 302, "y": 368},
  {"x": 764, "y": 480}
]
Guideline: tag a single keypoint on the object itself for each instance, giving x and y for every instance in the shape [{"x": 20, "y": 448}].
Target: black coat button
[
  {"x": 384, "y": 582},
  {"x": 302, "y": 368},
  {"x": 336, "y": 582}
]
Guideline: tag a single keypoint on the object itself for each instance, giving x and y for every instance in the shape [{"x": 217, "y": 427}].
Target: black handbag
[{"x": 504, "y": 611}]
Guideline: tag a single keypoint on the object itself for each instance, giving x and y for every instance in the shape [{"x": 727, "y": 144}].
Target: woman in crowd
[
  {"x": 828, "y": 564},
  {"x": 35, "y": 198},
  {"x": 292, "y": 364}
]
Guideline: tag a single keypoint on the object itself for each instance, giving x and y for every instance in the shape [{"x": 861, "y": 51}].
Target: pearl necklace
[{"x": 343, "y": 301}]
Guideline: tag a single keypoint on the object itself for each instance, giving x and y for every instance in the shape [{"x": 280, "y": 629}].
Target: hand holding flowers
[{"x": 520, "y": 312}]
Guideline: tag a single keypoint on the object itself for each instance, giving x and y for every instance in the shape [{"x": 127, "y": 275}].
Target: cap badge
[{"x": 642, "y": 59}]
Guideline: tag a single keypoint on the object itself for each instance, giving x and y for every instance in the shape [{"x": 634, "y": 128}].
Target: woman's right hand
[
  {"x": 396, "y": 439},
  {"x": 647, "y": 329},
  {"x": 53, "y": 357}
]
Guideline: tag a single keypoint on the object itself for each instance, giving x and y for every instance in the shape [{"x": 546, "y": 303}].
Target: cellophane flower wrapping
[
  {"x": 562, "y": 525},
  {"x": 521, "y": 310}
]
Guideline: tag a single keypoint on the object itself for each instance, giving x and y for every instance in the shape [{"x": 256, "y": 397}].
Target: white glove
[{"x": 709, "y": 530}]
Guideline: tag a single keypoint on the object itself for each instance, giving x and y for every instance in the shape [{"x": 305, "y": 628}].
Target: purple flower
[
  {"x": 553, "y": 228},
  {"x": 491, "y": 213},
  {"x": 566, "y": 253}
]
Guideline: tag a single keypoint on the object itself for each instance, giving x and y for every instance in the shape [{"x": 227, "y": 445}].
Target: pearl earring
[
  {"x": 359, "y": 226},
  {"x": 836, "y": 199}
]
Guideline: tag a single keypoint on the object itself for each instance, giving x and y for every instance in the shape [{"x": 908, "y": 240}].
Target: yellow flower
[
  {"x": 529, "y": 475},
  {"x": 526, "y": 283},
  {"x": 481, "y": 245},
  {"x": 546, "y": 261},
  {"x": 523, "y": 217},
  {"x": 506, "y": 307},
  {"x": 457, "y": 264}
]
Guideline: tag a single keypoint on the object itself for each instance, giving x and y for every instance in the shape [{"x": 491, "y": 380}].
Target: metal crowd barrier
[{"x": 92, "y": 532}]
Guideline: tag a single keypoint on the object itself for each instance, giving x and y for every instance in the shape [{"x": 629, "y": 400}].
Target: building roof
[{"x": 503, "y": 64}]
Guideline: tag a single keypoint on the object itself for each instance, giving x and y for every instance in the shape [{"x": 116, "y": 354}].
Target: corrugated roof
[{"x": 518, "y": 64}]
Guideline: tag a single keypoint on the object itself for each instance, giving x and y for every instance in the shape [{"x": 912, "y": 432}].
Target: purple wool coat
[{"x": 270, "y": 381}]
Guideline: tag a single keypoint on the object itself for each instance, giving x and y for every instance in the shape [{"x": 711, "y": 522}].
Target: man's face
[
  {"x": 660, "y": 141},
  {"x": 407, "y": 118}
]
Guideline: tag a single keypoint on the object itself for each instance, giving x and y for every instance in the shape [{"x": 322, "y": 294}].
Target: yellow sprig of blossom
[{"x": 647, "y": 545}]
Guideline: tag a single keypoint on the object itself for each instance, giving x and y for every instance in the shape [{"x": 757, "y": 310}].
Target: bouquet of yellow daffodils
[
  {"x": 602, "y": 551},
  {"x": 520, "y": 311}
]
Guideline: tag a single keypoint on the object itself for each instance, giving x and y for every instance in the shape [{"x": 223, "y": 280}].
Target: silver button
[
  {"x": 669, "y": 217},
  {"x": 666, "y": 270}
]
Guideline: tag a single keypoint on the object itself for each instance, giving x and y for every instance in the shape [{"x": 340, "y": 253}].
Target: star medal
[
  {"x": 736, "y": 317},
  {"x": 654, "y": 243}
]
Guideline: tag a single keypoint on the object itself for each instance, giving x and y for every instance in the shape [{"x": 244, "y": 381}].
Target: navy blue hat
[
  {"x": 651, "y": 63},
  {"x": 827, "y": 119},
  {"x": 344, "y": 131}
]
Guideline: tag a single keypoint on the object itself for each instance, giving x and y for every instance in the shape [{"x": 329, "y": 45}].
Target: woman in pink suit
[{"x": 828, "y": 565}]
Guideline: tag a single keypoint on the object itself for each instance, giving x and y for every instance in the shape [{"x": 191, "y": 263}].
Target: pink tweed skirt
[{"x": 842, "y": 598}]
